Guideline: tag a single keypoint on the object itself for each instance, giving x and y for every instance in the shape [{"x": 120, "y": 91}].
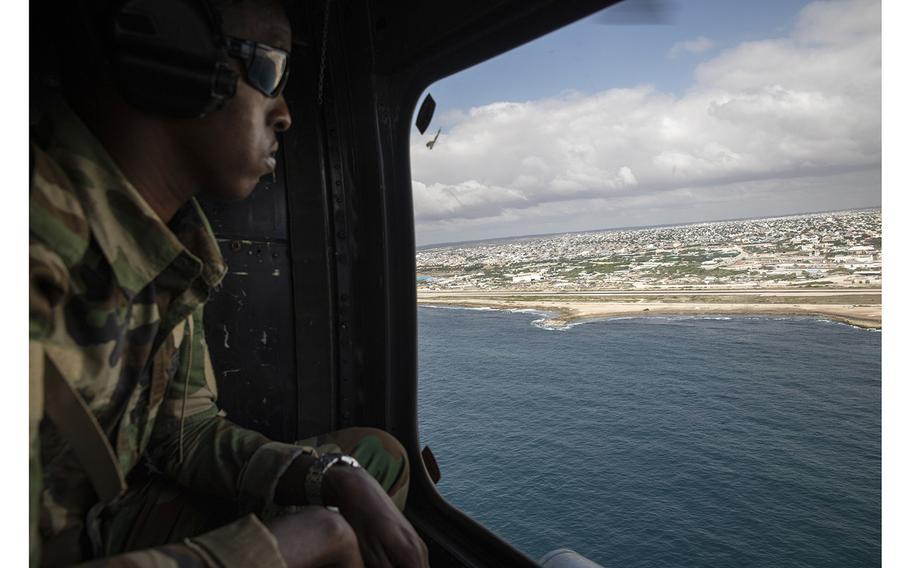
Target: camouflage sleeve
[
  {"x": 245, "y": 542},
  {"x": 55, "y": 215},
  {"x": 48, "y": 284},
  {"x": 196, "y": 445}
]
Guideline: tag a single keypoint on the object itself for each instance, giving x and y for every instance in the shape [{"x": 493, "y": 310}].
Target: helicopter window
[{"x": 649, "y": 278}]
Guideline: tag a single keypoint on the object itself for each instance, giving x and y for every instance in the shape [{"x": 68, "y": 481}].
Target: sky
[{"x": 723, "y": 110}]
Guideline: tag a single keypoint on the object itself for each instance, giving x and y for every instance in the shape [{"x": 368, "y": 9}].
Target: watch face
[{"x": 348, "y": 460}]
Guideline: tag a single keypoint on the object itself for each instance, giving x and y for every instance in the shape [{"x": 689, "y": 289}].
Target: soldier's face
[{"x": 232, "y": 148}]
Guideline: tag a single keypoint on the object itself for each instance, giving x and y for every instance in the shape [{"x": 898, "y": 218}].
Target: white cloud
[
  {"x": 466, "y": 199},
  {"x": 762, "y": 115},
  {"x": 700, "y": 44}
]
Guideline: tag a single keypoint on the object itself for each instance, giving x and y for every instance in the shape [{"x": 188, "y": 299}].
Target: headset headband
[{"x": 167, "y": 57}]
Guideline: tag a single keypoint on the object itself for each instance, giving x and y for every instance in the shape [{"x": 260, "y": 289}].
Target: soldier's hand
[
  {"x": 386, "y": 538},
  {"x": 316, "y": 537}
]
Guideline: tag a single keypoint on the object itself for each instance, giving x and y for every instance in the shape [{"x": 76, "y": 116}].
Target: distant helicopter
[{"x": 432, "y": 142}]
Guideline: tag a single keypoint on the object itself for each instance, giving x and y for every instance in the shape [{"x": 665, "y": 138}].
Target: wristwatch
[{"x": 316, "y": 473}]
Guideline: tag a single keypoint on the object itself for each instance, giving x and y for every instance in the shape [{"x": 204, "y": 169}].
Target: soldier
[{"x": 131, "y": 461}]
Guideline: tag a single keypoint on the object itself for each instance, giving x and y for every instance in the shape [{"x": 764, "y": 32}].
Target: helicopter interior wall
[{"x": 247, "y": 322}]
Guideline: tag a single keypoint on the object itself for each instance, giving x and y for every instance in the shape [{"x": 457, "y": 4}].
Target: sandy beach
[{"x": 861, "y": 308}]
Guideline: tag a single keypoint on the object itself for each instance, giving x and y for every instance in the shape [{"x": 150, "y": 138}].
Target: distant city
[{"x": 834, "y": 249}]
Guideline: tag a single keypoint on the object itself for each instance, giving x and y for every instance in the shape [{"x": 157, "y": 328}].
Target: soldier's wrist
[
  {"x": 326, "y": 475},
  {"x": 340, "y": 481}
]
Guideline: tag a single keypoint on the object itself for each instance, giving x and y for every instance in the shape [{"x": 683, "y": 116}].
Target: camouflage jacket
[{"x": 115, "y": 303}]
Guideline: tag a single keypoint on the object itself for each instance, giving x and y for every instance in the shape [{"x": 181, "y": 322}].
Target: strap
[{"x": 65, "y": 408}]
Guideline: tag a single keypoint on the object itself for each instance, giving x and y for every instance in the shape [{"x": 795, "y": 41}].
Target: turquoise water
[{"x": 659, "y": 441}]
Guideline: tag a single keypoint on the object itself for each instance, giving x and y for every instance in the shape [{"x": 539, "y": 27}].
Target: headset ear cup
[{"x": 168, "y": 57}]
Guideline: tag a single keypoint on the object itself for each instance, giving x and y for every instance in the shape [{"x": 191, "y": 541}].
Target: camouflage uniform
[{"x": 115, "y": 306}]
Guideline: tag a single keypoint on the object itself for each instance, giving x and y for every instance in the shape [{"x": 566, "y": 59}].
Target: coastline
[{"x": 860, "y": 309}]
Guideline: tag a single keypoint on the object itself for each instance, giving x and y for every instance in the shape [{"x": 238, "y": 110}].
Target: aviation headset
[{"x": 167, "y": 56}]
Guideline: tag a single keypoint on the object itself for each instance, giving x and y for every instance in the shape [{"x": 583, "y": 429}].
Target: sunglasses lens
[{"x": 266, "y": 70}]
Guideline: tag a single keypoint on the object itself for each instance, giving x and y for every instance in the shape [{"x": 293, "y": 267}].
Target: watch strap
[{"x": 316, "y": 475}]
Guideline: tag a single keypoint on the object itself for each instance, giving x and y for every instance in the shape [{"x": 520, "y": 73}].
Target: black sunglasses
[{"x": 266, "y": 66}]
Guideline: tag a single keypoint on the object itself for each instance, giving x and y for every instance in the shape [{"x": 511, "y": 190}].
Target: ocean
[{"x": 659, "y": 442}]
